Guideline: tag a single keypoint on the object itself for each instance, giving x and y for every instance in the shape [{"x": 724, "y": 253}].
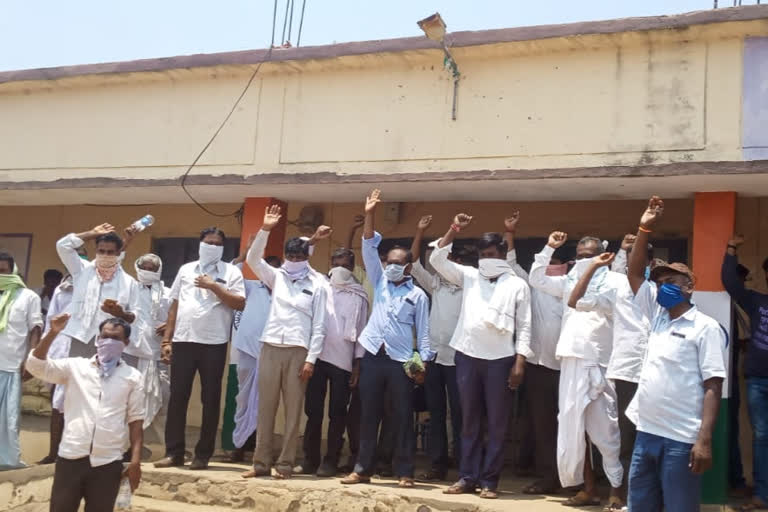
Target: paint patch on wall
[{"x": 755, "y": 102}]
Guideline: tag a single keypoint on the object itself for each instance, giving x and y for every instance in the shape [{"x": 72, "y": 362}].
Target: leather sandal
[
  {"x": 459, "y": 488},
  {"x": 489, "y": 494},
  {"x": 582, "y": 499},
  {"x": 355, "y": 478},
  {"x": 406, "y": 483}
]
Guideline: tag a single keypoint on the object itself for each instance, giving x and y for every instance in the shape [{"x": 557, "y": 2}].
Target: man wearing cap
[{"x": 680, "y": 386}]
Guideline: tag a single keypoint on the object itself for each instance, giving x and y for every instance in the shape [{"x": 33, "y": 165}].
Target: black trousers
[
  {"x": 385, "y": 446},
  {"x": 325, "y": 375},
  {"x": 541, "y": 397},
  {"x": 380, "y": 375},
  {"x": 76, "y": 479},
  {"x": 625, "y": 391},
  {"x": 441, "y": 390},
  {"x": 207, "y": 360}
]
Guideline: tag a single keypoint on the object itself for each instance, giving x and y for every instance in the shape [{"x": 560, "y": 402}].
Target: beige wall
[{"x": 625, "y": 99}]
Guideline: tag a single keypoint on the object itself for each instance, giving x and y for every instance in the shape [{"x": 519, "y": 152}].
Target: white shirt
[
  {"x": 630, "y": 329},
  {"x": 121, "y": 288},
  {"x": 202, "y": 317},
  {"x": 345, "y": 318},
  {"x": 682, "y": 354},
  {"x": 297, "y": 314},
  {"x": 444, "y": 314},
  {"x": 98, "y": 410},
  {"x": 150, "y": 316},
  {"x": 473, "y": 336},
  {"x": 247, "y": 332},
  {"x": 546, "y": 318},
  {"x": 60, "y": 303},
  {"x": 22, "y": 318}
]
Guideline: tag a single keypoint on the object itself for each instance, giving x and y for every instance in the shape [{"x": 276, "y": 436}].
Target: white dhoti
[
  {"x": 156, "y": 381},
  {"x": 10, "y": 420},
  {"x": 587, "y": 405},
  {"x": 247, "y": 399}
]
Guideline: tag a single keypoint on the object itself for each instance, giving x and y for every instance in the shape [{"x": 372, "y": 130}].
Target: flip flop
[
  {"x": 615, "y": 504},
  {"x": 582, "y": 499}
]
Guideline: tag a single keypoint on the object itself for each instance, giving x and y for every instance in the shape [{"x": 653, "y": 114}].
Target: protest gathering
[{"x": 619, "y": 372}]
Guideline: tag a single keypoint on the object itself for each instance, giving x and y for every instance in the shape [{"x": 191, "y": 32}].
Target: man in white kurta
[
  {"x": 154, "y": 302},
  {"x": 587, "y": 399},
  {"x": 20, "y": 317}
]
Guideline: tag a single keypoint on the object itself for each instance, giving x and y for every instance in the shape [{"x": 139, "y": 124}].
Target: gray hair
[
  {"x": 590, "y": 239},
  {"x": 152, "y": 259}
]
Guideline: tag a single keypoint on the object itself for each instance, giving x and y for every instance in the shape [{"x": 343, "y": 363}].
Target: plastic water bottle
[
  {"x": 143, "y": 223},
  {"x": 123, "y": 501}
]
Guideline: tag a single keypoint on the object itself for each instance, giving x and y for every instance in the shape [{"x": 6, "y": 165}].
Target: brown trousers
[{"x": 279, "y": 369}]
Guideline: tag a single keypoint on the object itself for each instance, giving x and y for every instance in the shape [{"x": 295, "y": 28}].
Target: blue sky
[{"x": 44, "y": 33}]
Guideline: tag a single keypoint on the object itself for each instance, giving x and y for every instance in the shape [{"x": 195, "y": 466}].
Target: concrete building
[{"x": 575, "y": 125}]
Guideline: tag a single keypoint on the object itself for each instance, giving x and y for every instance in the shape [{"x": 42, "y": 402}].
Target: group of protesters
[{"x": 612, "y": 351}]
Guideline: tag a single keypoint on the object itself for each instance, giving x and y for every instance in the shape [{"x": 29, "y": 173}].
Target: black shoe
[
  {"x": 170, "y": 462},
  {"x": 326, "y": 470},
  {"x": 198, "y": 464}
]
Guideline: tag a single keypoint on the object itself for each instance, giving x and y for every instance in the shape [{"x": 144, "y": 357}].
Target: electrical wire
[
  {"x": 301, "y": 22},
  {"x": 290, "y": 21},
  {"x": 285, "y": 21},
  {"x": 221, "y": 127}
]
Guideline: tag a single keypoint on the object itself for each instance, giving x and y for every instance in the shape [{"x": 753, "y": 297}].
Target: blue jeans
[
  {"x": 659, "y": 476},
  {"x": 757, "y": 403}
]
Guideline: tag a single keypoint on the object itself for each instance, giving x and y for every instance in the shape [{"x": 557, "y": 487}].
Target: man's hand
[
  {"x": 306, "y": 371},
  {"x": 516, "y": 374},
  {"x": 102, "y": 229},
  {"x": 354, "y": 379},
  {"x": 510, "y": 223},
  {"x": 603, "y": 260},
  {"x": 112, "y": 308},
  {"x": 628, "y": 242},
  {"x": 205, "y": 282},
  {"x": 59, "y": 322},
  {"x": 358, "y": 221},
  {"x": 372, "y": 201},
  {"x": 272, "y": 216},
  {"x": 420, "y": 377},
  {"x": 736, "y": 240},
  {"x": 133, "y": 472},
  {"x": 128, "y": 234},
  {"x": 557, "y": 239},
  {"x": 701, "y": 457},
  {"x": 160, "y": 329},
  {"x": 462, "y": 220},
  {"x": 321, "y": 233},
  {"x": 424, "y": 223},
  {"x": 166, "y": 351},
  {"x": 653, "y": 213}
]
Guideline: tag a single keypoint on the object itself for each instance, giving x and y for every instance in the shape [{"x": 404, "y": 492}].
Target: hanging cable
[
  {"x": 274, "y": 21},
  {"x": 301, "y": 22},
  {"x": 221, "y": 127},
  {"x": 285, "y": 22},
  {"x": 290, "y": 22}
]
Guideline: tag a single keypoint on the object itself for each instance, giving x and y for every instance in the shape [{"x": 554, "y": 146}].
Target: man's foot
[
  {"x": 460, "y": 487},
  {"x": 198, "y": 464},
  {"x": 406, "y": 483},
  {"x": 355, "y": 478},
  {"x": 48, "y": 459},
  {"x": 615, "y": 504},
  {"x": 170, "y": 462},
  {"x": 326, "y": 470},
  {"x": 282, "y": 474},
  {"x": 308, "y": 469},
  {"x": 237, "y": 455},
  {"x": 489, "y": 494},
  {"x": 542, "y": 487},
  {"x": 754, "y": 504},
  {"x": 433, "y": 475},
  {"x": 582, "y": 499},
  {"x": 256, "y": 473}
]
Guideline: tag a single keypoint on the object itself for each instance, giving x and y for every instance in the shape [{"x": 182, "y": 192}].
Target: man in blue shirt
[{"x": 399, "y": 309}]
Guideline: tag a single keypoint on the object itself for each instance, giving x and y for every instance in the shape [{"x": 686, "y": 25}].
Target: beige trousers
[{"x": 279, "y": 369}]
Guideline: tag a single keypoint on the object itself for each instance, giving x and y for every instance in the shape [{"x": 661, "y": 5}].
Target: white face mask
[
  {"x": 210, "y": 254},
  {"x": 296, "y": 269},
  {"x": 341, "y": 276},
  {"x": 394, "y": 273},
  {"x": 491, "y": 268},
  {"x": 147, "y": 276}
]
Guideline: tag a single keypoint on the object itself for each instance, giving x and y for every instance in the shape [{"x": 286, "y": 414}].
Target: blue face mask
[
  {"x": 647, "y": 273},
  {"x": 669, "y": 296}
]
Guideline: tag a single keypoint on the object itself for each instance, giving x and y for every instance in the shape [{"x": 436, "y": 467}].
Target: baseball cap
[{"x": 662, "y": 267}]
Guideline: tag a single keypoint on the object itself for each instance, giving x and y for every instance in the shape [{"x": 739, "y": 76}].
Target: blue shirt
[{"x": 397, "y": 312}]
